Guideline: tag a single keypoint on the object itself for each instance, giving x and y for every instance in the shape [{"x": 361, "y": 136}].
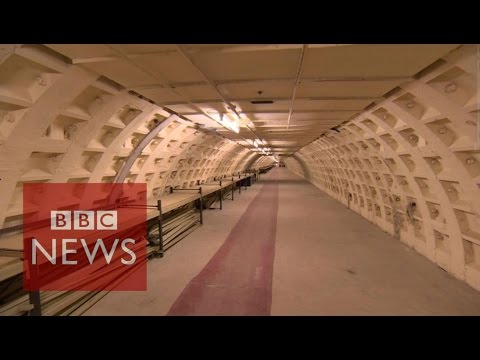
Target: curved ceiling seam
[
  {"x": 127, "y": 135},
  {"x": 146, "y": 163}
]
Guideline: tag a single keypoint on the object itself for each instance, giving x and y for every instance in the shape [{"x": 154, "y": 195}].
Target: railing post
[
  {"x": 201, "y": 205},
  {"x": 160, "y": 228},
  {"x": 220, "y": 192}
]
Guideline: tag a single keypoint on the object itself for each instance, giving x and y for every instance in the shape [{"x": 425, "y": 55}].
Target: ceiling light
[
  {"x": 261, "y": 102},
  {"x": 230, "y": 124}
]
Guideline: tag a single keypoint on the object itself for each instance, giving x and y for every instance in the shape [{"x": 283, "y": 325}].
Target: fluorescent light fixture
[{"x": 232, "y": 125}]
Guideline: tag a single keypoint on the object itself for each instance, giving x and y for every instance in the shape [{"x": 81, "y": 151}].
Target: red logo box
[{"x": 84, "y": 236}]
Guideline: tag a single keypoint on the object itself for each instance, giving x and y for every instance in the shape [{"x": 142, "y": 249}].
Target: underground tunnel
[{"x": 217, "y": 179}]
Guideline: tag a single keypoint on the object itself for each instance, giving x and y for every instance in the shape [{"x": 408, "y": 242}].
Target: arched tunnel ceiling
[
  {"x": 406, "y": 120},
  {"x": 312, "y": 87},
  {"x": 61, "y": 122},
  {"x": 419, "y": 146}
]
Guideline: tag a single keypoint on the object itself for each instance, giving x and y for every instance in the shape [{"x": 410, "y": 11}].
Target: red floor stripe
[{"x": 238, "y": 278}]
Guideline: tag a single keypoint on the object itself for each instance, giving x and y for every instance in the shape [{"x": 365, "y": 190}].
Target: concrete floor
[{"x": 328, "y": 261}]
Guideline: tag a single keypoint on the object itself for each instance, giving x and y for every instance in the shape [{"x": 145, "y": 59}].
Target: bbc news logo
[
  {"x": 83, "y": 220},
  {"x": 97, "y": 244}
]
